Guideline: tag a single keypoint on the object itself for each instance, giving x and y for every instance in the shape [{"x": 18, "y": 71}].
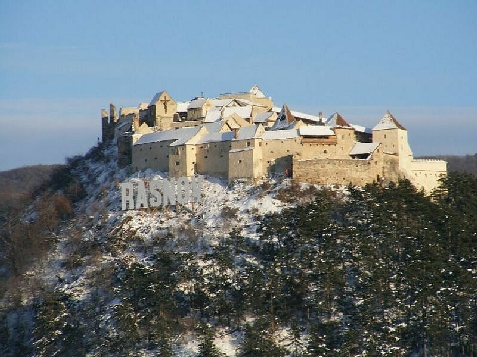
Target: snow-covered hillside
[
  {"x": 102, "y": 236},
  {"x": 274, "y": 269}
]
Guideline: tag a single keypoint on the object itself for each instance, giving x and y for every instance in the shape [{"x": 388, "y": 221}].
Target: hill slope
[
  {"x": 18, "y": 183},
  {"x": 277, "y": 269}
]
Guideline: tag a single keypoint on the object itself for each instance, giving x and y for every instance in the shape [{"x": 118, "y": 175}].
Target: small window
[
  {"x": 177, "y": 163},
  {"x": 248, "y": 143},
  {"x": 205, "y": 157},
  {"x": 240, "y": 161},
  {"x": 325, "y": 151}
]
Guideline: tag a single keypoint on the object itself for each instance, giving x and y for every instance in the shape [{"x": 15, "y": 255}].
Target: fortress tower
[{"x": 393, "y": 138}]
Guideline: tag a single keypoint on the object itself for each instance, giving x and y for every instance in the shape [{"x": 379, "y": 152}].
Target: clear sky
[{"x": 61, "y": 62}]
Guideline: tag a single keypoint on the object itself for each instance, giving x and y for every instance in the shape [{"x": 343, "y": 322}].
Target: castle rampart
[{"x": 219, "y": 137}]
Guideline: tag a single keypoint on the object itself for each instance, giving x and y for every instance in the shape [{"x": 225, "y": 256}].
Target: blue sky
[{"x": 61, "y": 62}]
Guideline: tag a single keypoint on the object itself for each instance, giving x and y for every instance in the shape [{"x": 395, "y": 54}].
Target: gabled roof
[
  {"x": 262, "y": 117},
  {"x": 255, "y": 90},
  {"x": 212, "y": 115},
  {"x": 243, "y": 112},
  {"x": 158, "y": 96},
  {"x": 363, "y": 148},
  {"x": 235, "y": 121},
  {"x": 196, "y": 103},
  {"x": 167, "y": 135},
  {"x": 243, "y": 102},
  {"x": 216, "y": 137},
  {"x": 299, "y": 115},
  {"x": 388, "y": 122},
  {"x": 336, "y": 120},
  {"x": 219, "y": 103},
  {"x": 284, "y": 119},
  {"x": 214, "y": 127},
  {"x": 249, "y": 132},
  {"x": 316, "y": 130}
]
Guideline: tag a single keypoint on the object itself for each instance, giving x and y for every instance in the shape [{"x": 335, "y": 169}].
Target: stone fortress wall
[{"x": 243, "y": 136}]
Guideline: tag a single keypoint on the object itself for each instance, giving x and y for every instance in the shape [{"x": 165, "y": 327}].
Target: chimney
[
  {"x": 320, "y": 115},
  {"x": 235, "y": 133}
]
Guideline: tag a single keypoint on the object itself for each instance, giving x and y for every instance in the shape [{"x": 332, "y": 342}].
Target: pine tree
[
  {"x": 207, "y": 347},
  {"x": 259, "y": 342}
]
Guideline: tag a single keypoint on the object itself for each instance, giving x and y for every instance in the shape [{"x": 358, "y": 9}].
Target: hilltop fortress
[{"x": 244, "y": 136}]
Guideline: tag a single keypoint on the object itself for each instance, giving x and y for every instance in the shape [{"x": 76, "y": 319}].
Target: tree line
[{"x": 382, "y": 271}]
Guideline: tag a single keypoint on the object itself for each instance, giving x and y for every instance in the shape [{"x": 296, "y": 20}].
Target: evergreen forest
[{"x": 377, "y": 271}]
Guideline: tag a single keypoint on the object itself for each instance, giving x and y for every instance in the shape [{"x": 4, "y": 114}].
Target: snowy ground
[{"x": 197, "y": 226}]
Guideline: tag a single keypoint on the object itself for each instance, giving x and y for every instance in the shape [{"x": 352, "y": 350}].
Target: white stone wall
[
  {"x": 426, "y": 173},
  {"x": 151, "y": 155}
]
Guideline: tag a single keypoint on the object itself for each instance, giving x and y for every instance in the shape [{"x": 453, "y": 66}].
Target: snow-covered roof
[
  {"x": 212, "y": 115},
  {"x": 316, "y": 130},
  {"x": 196, "y": 103},
  {"x": 156, "y": 97},
  {"x": 336, "y": 120},
  {"x": 284, "y": 119},
  {"x": 216, "y": 137},
  {"x": 219, "y": 103},
  {"x": 249, "y": 102},
  {"x": 243, "y": 112},
  {"x": 214, "y": 127},
  {"x": 388, "y": 122},
  {"x": 182, "y": 106},
  {"x": 247, "y": 132},
  {"x": 363, "y": 148},
  {"x": 186, "y": 136},
  {"x": 361, "y": 129},
  {"x": 255, "y": 90},
  {"x": 280, "y": 134},
  {"x": 299, "y": 115},
  {"x": 262, "y": 117},
  {"x": 167, "y": 135}
]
